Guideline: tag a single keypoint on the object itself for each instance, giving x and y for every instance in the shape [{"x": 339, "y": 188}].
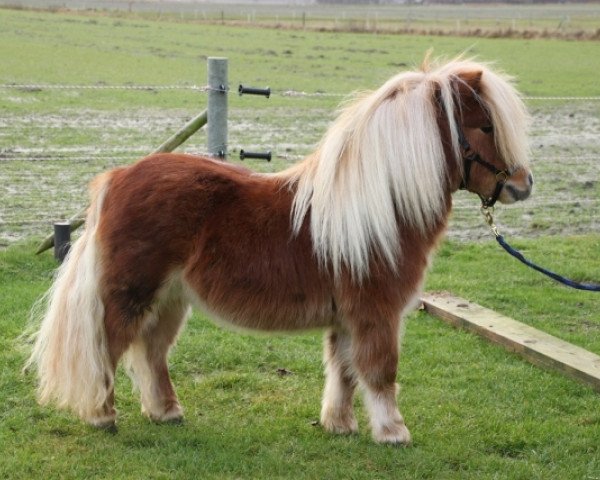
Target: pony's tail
[{"x": 70, "y": 351}]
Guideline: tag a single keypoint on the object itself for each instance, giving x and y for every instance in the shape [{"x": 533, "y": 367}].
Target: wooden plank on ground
[{"x": 536, "y": 346}]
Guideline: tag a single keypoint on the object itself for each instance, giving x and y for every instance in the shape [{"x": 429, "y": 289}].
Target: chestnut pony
[{"x": 341, "y": 240}]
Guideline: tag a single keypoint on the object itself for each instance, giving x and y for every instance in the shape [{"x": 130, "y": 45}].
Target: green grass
[
  {"x": 567, "y": 20},
  {"x": 523, "y": 293},
  {"x": 74, "y": 49},
  {"x": 475, "y": 410}
]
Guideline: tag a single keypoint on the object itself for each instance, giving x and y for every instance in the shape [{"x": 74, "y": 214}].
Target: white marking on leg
[
  {"x": 386, "y": 422},
  {"x": 337, "y": 415}
]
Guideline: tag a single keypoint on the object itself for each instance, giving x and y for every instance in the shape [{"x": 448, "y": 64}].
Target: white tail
[{"x": 70, "y": 350}]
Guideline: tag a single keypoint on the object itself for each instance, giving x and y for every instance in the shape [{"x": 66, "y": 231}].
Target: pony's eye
[{"x": 487, "y": 129}]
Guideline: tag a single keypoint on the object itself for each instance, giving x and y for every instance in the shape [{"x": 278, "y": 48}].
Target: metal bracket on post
[
  {"x": 261, "y": 156},
  {"x": 216, "y": 127},
  {"x": 265, "y": 92}
]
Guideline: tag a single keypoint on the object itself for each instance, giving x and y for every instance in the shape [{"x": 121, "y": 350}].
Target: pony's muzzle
[{"x": 518, "y": 187}]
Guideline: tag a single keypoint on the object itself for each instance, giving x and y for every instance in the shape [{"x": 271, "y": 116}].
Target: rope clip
[{"x": 489, "y": 219}]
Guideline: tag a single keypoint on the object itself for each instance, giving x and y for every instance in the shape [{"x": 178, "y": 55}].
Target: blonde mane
[{"x": 383, "y": 157}]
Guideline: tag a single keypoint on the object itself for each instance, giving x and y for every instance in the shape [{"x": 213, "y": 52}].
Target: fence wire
[
  {"x": 52, "y": 86},
  {"x": 47, "y": 160},
  {"x": 206, "y": 88}
]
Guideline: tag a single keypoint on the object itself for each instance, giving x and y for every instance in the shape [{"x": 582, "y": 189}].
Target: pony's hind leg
[
  {"x": 375, "y": 349},
  {"x": 119, "y": 334},
  {"x": 146, "y": 360},
  {"x": 105, "y": 416},
  {"x": 337, "y": 414}
]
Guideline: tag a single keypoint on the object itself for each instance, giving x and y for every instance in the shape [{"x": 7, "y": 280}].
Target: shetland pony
[{"x": 341, "y": 241}]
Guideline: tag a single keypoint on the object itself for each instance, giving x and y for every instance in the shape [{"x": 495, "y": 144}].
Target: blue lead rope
[{"x": 590, "y": 287}]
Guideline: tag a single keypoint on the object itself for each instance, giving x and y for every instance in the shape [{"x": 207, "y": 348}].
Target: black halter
[{"x": 469, "y": 156}]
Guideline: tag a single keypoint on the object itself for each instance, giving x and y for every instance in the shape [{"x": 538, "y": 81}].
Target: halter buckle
[{"x": 502, "y": 176}]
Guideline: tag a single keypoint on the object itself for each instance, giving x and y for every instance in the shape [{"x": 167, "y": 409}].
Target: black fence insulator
[
  {"x": 262, "y": 156},
  {"x": 266, "y": 92},
  {"x": 62, "y": 240}
]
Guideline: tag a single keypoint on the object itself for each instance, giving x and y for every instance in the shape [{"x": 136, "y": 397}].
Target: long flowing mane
[{"x": 383, "y": 159}]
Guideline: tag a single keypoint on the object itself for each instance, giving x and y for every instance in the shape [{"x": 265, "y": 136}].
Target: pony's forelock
[
  {"x": 509, "y": 117},
  {"x": 383, "y": 158},
  {"x": 504, "y": 104}
]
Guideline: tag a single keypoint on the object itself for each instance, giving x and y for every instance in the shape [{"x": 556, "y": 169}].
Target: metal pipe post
[
  {"x": 62, "y": 240},
  {"x": 216, "y": 127}
]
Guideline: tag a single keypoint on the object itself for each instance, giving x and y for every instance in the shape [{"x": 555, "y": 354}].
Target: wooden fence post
[
  {"x": 169, "y": 145},
  {"x": 216, "y": 128}
]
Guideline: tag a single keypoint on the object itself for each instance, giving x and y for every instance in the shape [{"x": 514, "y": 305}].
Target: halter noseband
[{"x": 469, "y": 156}]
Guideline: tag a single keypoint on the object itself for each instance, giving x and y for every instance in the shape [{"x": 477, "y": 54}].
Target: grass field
[
  {"x": 475, "y": 411},
  {"x": 559, "y": 20}
]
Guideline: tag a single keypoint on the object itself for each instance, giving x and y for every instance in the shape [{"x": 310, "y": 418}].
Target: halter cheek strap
[{"x": 470, "y": 156}]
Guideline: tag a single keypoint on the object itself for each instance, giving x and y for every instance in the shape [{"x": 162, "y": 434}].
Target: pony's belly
[{"x": 262, "y": 311}]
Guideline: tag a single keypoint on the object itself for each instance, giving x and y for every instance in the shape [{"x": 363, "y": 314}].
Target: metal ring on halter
[{"x": 502, "y": 176}]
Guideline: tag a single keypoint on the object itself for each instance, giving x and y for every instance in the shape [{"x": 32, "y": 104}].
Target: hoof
[
  {"x": 174, "y": 414},
  {"x": 104, "y": 422},
  {"x": 397, "y": 435},
  {"x": 339, "y": 425}
]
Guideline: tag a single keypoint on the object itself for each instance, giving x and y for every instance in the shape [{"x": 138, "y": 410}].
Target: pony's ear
[{"x": 472, "y": 79}]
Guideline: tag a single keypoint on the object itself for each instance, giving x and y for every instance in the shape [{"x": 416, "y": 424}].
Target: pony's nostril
[
  {"x": 518, "y": 194},
  {"x": 530, "y": 178}
]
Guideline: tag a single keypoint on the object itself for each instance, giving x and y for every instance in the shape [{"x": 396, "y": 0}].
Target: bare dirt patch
[{"x": 48, "y": 161}]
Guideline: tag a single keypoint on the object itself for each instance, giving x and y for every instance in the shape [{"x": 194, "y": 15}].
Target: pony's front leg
[
  {"x": 375, "y": 348},
  {"x": 337, "y": 414}
]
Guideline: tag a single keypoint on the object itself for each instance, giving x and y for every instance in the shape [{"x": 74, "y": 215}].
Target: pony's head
[
  {"x": 488, "y": 127},
  {"x": 391, "y": 159}
]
